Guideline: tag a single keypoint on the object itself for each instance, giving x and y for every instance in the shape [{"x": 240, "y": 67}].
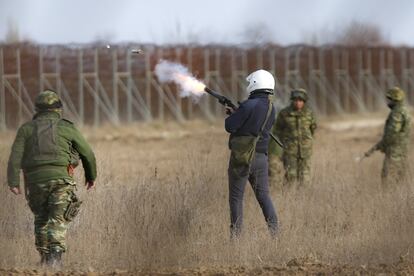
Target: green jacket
[
  {"x": 296, "y": 129},
  {"x": 43, "y": 149},
  {"x": 396, "y": 136}
]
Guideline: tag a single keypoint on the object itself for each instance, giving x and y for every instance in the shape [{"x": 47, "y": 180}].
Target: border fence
[{"x": 100, "y": 85}]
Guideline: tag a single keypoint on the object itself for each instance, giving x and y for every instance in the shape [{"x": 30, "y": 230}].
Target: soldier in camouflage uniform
[
  {"x": 395, "y": 139},
  {"x": 276, "y": 170},
  {"x": 47, "y": 149},
  {"x": 295, "y": 126}
]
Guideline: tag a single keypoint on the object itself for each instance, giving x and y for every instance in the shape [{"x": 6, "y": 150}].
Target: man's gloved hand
[
  {"x": 89, "y": 184},
  {"x": 371, "y": 151},
  {"x": 229, "y": 110}
]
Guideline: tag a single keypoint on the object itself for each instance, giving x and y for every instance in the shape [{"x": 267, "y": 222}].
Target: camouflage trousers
[
  {"x": 297, "y": 170},
  {"x": 275, "y": 171},
  {"x": 49, "y": 202},
  {"x": 394, "y": 170}
]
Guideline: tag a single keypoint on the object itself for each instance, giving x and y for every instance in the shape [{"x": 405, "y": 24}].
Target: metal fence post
[
  {"x": 81, "y": 97},
  {"x": 3, "y": 124}
]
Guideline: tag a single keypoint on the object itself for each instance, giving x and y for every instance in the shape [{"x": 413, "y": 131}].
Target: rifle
[
  {"x": 367, "y": 154},
  {"x": 227, "y": 102}
]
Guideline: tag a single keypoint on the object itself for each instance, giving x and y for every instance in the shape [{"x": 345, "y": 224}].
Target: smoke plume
[{"x": 167, "y": 71}]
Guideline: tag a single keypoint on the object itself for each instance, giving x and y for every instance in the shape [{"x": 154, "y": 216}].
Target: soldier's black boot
[
  {"x": 43, "y": 258},
  {"x": 54, "y": 259}
]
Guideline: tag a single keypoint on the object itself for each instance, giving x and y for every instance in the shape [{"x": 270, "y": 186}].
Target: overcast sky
[{"x": 217, "y": 21}]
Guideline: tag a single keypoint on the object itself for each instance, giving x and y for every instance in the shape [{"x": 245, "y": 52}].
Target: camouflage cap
[
  {"x": 395, "y": 94},
  {"x": 299, "y": 93},
  {"x": 46, "y": 100}
]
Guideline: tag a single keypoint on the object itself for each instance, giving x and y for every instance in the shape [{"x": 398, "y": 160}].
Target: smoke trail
[{"x": 168, "y": 71}]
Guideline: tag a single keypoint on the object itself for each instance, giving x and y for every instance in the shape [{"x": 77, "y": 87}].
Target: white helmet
[{"x": 260, "y": 79}]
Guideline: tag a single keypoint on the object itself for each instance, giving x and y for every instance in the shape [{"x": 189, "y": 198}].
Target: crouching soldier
[{"x": 46, "y": 149}]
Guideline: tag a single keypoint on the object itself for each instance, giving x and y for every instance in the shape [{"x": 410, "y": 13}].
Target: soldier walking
[
  {"x": 249, "y": 128},
  {"x": 46, "y": 149},
  {"x": 295, "y": 126},
  {"x": 395, "y": 139}
]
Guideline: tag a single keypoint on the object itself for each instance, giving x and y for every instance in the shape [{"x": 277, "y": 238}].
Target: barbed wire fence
[{"x": 100, "y": 85}]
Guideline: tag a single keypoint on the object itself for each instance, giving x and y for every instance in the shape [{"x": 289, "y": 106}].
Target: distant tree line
[{"x": 355, "y": 33}]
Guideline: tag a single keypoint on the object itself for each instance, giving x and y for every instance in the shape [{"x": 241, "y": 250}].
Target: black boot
[
  {"x": 54, "y": 259},
  {"x": 43, "y": 258}
]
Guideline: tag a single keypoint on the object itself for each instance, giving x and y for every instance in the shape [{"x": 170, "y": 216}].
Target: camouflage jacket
[
  {"x": 296, "y": 129},
  {"x": 396, "y": 135},
  {"x": 43, "y": 149}
]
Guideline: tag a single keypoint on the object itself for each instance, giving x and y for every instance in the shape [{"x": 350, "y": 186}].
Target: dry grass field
[{"x": 161, "y": 205}]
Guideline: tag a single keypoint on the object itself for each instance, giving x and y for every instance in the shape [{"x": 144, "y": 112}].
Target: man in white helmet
[{"x": 249, "y": 128}]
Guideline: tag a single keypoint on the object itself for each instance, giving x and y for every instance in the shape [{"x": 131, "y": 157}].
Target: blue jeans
[{"x": 258, "y": 177}]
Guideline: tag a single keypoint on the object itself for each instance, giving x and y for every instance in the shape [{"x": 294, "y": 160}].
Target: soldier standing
[
  {"x": 395, "y": 139},
  {"x": 295, "y": 125},
  {"x": 275, "y": 163},
  {"x": 46, "y": 149},
  {"x": 249, "y": 128}
]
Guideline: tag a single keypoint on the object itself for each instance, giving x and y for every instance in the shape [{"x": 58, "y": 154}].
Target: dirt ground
[
  {"x": 288, "y": 269},
  {"x": 160, "y": 208}
]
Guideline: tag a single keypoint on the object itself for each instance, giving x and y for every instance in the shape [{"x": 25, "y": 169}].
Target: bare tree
[
  {"x": 359, "y": 33},
  {"x": 12, "y": 34},
  {"x": 325, "y": 35},
  {"x": 104, "y": 38},
  {"x": 258, "y": 33}
]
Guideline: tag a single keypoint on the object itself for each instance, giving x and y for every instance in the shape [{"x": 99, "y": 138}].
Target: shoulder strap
[
  {"x": 269, "y": 111},
  {"x": 67, "y": 121}
]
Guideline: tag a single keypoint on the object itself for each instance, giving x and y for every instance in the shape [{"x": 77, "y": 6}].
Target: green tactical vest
[{"x": 44, "y": 147}]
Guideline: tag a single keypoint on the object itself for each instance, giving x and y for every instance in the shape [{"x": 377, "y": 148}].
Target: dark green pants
[
  {"x": 394, "y": 170},
  {"x": 48, "y": 202}
]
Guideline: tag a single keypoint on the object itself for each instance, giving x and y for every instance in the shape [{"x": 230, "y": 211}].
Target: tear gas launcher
[
  {"x": 221, "y": 99},
  {"x": 227, "y": 102}
]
